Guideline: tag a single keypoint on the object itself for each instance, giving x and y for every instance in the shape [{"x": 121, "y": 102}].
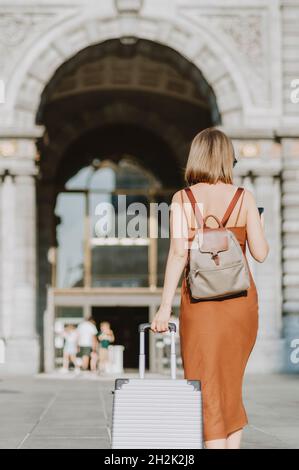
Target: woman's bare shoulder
[
  {"x": 177, "y": 196},
  {"x": 249, "y": 198}
]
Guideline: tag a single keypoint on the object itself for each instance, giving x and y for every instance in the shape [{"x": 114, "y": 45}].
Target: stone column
[
  {"x": 25, "y": 256},
  {"x": 18, "y": 261},
  {"x": 261, "y": 174},
  {"x": 268, "y": 352},
  {"x": 22, "y": 349},
  {"x": 7, "y": 232},
  {"x": 290, "y": 228},
  {"x": 45, "y": 240},
  {"x": 268, "y": 274}
]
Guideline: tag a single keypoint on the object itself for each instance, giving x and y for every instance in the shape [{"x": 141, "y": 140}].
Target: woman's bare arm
[
  {"x": 257, "y": 243},
  {"x": 176, "y": 261}
]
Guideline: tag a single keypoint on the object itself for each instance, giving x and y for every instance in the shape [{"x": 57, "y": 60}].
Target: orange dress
[{"x": 217, "y": 338}]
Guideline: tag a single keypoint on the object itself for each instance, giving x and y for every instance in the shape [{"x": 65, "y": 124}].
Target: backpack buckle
[{"x": 215, "y": 257}]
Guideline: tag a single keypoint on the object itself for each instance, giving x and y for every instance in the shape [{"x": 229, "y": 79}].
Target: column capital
[
  {"x": 264, "y": 179},
  {"x": 18, "y": 148},
  {"x": 18, "y": 157},
  {"x": 14, "y": 170},
  {"x": 258, "y": 167},
  {"x": 24, "y": 178}
]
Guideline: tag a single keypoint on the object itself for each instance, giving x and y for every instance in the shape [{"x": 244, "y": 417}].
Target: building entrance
[
  {"x": 124, "y": 322},
  {"x": 119, "y": 119}
]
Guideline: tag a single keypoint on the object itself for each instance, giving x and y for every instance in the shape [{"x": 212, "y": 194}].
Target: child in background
[
  {"x": 70, "y": 348},
  {"x": 106, "y": 337}
]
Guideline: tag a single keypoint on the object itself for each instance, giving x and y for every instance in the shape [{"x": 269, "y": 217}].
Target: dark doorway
[{"x": 124, "y": 323}]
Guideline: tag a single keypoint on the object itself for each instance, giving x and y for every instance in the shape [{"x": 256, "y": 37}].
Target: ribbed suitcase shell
[{"x": 157, "y": 414}]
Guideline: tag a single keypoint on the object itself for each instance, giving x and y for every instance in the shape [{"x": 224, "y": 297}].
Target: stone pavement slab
[{"x": 55, "y": 412}]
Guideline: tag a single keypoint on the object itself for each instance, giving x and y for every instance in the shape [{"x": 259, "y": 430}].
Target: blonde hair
[{"x": 211, "y": 158}]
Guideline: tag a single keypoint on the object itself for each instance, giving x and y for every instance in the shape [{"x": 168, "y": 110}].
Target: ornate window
[{"x": 95, "y": 213}]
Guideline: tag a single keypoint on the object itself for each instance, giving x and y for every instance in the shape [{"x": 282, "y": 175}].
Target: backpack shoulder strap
[
  {"x": 232, "y": 205},
  {"x": 195, "y": 208},
  {"x": 240, "y": 207}
]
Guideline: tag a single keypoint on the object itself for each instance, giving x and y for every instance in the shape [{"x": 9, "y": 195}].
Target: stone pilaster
[
  {"x": 290, "y": 228},
  {"x": 18, "y": 263},
  {"x": 45, "y": 240},
  {"x": 261, "y": 174},
  {"x": 268, "y": 274},
  {"x": 7, "y": 233},
  {"x": 268, "y": 352},
  {"x": 24, "y": 256}
]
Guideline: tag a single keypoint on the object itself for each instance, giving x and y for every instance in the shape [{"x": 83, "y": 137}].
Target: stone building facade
[{"x": 233, "y": 63}]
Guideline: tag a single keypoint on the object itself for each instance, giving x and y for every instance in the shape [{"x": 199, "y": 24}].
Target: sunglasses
[{"x": 235, "y": 162}]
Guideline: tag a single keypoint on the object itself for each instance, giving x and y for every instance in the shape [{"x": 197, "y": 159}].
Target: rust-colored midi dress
[{"x": 217, "y": 338}]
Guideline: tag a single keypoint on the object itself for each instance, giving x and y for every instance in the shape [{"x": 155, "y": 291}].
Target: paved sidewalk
[{"x": 74, "y": 412}]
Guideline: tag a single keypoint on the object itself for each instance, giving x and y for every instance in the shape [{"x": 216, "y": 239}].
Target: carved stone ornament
[
  {"x": 248, "y": 35},
  {"x": 245, "y": 31},
  {"x": 15, "y": 28},
  {"x": 245, "y": 34},
  {"x": 128, "y": 6}
]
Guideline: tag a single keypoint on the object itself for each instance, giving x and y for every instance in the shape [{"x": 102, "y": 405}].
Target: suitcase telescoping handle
[{"x": 146, "y": 326}]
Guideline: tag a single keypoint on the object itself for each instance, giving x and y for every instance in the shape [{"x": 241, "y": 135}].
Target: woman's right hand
[{"x": 161, "y": 320}]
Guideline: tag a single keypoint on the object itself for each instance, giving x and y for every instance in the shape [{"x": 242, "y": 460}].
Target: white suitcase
[{"x": 157, "y": 413}]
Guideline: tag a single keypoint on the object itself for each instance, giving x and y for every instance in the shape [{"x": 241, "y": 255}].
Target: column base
[
  {"x": 267, "y": 356},
  {"x": 22, "y": 357}
]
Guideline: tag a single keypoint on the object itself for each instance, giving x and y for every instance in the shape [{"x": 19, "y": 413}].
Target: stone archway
[
  {"x": 130, "y": 101},
  {"x": 127, "y": 84},
  {"x": 192, "y": 41}
]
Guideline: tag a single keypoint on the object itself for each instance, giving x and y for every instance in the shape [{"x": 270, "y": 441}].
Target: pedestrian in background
[
  {"x": 87, "y": 341},
  {"x": 70, "y": 348}
]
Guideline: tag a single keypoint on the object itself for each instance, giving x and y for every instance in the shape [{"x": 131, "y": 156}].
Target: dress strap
[
  {"x": 232, "y": 205},
  {"x": 195, "y": 208}
]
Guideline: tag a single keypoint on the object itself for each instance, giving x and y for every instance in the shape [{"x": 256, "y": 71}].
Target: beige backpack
[{"x": 216, "y": 268}]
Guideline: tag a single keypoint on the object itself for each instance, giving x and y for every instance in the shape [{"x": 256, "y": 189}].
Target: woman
[{"x": 216, "y": 336}]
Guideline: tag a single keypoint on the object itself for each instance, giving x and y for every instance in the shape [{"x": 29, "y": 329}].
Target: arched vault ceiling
[
  {"x": 142, "y": 98},
  {"x": 144, "y": 67}
]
